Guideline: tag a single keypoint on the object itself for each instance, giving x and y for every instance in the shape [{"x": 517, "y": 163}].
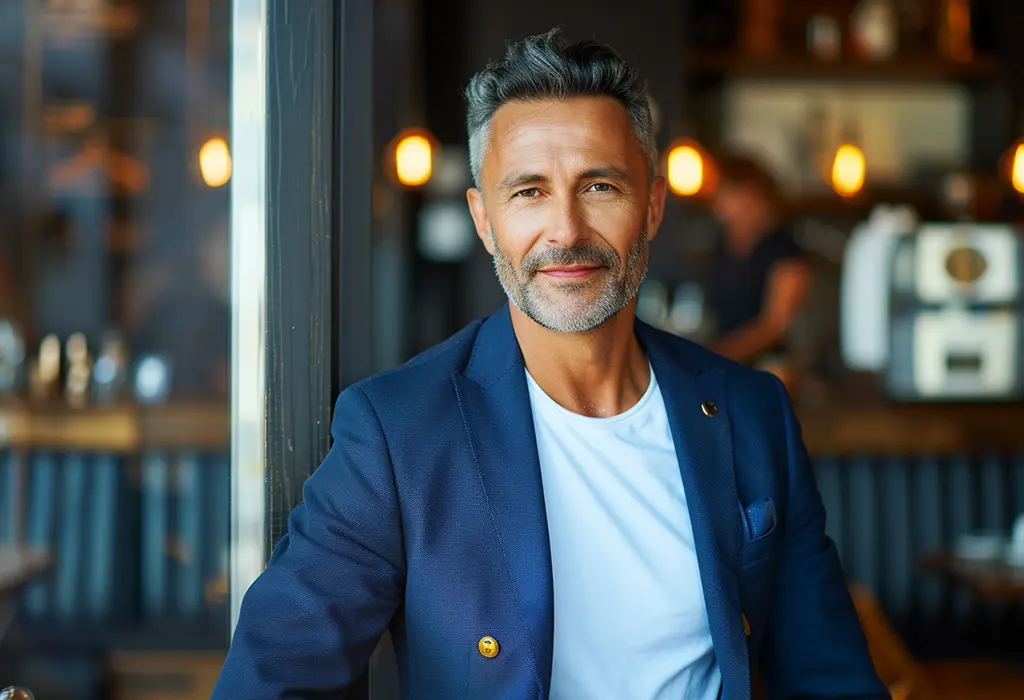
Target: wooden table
[{"x": 990, "y": 579}]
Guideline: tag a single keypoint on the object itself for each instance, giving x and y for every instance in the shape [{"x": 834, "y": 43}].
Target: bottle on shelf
[
  {"x": 955, "y": 31},
  {"x": 759, "y": 33},
  {"x": 873, "y": 29}
]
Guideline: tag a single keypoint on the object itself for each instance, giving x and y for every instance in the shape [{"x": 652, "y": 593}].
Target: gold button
[
  {"x": 710, "y": 408},
  {"x": 488, "y": 647},
  {"x": 746, "y": 625}
]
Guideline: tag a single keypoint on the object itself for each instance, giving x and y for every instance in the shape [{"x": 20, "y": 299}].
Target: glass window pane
[{"x": 115, "y": 337}]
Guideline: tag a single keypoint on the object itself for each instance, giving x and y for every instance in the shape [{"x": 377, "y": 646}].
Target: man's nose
[{"x": 567, "y": 227}]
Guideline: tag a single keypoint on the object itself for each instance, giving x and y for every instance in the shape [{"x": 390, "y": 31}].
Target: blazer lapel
[
  {"x": 495, "y": 405},
  {"x": 704, "y": 449}
]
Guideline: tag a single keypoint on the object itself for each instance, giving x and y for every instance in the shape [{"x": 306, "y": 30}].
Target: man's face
[{"x": 566, "y": 209}]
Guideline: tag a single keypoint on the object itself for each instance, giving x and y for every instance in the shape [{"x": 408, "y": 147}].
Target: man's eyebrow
[
  {"x": 519, "y": 179},
  {"x": 608, "y": 172}
]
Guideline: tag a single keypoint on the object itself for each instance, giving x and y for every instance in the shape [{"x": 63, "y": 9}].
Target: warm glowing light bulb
[
  {"x": 1017, "y": 173},
  {"x": 414, "y": 160},
  {"x": 215, "y": 162},
  {"x": 848, "y": 170},
  {"x": 685, "y": 170}
]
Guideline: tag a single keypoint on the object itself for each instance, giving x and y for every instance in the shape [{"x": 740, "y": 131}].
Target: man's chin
[
  {"x": 568, "y": 318},
  {"x": 565, "y": 294}
]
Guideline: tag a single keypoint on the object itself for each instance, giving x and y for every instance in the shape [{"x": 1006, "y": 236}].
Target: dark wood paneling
[{"x": 300, "y": 192}]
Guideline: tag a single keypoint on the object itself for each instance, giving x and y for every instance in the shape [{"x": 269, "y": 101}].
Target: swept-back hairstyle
[{"x": 547, "y": 66}]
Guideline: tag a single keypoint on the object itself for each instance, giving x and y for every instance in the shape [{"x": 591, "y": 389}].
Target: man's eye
[
  {"x": 528, "y": 193},
  {"x": 600, "y": 187}
]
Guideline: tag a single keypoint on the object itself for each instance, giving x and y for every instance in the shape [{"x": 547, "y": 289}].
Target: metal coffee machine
[{"x": 957, "y": 314}]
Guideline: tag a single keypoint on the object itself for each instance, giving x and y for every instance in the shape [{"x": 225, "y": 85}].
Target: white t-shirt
[{"x": 629, "y": 615}]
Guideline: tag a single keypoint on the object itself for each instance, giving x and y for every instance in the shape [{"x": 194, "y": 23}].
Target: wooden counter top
[
  {"x": 119, "y": 429},
  {"x": 835, "y": 429},
  {"x": 905, "y": 429}
]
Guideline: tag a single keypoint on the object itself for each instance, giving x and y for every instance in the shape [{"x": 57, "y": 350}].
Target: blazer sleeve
[
  {"x": 311, "y": 620},
  {"x": 814, "y": 645}
]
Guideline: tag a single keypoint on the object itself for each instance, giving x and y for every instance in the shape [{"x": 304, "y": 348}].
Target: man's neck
[{"x": 599, "y": 373}]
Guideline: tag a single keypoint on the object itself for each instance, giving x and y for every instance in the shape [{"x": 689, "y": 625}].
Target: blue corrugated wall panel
[
  {"x": 140, "y": 545},
  {"x": 887, "y": 513}
]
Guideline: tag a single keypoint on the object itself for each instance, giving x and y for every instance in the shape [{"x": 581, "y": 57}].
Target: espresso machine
[{"x": 956, "y": 314}]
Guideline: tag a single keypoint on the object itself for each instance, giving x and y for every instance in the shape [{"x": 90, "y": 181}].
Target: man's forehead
[
  {"x": 576, "y": 134},
  {"x": 584, "y": 111}
]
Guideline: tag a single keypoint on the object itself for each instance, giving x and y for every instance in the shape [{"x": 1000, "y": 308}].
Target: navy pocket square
[{"x": 760, "y": 518}]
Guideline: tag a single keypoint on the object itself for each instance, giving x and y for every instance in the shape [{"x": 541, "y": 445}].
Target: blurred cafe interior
[{"x": 216, "y": 214}]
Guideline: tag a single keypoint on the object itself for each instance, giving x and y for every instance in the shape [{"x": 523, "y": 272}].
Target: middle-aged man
[{"x": 559, "y": 501}]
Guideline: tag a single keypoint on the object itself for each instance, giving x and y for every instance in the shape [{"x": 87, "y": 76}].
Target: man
[{"x": 559, "y": 502}]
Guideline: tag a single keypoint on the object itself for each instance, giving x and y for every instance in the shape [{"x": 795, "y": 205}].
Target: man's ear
[
  {"x": 478, "y": 211},
  {"x": 655, "y": 206}
]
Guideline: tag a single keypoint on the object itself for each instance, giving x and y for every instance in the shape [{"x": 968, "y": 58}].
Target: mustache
[{"x": 577, "y": 255}]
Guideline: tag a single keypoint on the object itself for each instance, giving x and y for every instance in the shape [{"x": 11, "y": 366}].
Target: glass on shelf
[
  {"x": 12, "y": 358},
  {"x": 16, "y": 693}
]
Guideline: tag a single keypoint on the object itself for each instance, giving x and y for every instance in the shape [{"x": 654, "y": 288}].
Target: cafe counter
[{"x": 832, "y": 429}]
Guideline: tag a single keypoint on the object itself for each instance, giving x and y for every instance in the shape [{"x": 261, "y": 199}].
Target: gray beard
[{"x": 579, "y": 314}]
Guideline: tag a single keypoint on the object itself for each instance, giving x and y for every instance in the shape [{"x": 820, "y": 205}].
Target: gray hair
[{"x": 546, "y": 66}]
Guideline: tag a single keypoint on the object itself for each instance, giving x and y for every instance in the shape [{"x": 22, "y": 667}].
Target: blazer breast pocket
[{"x": 760, "y": 521}]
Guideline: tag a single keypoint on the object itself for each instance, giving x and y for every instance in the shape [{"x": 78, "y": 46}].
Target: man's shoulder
[
  {"x": 699, "y": 359},
  {"x": 422, "y": 375}
]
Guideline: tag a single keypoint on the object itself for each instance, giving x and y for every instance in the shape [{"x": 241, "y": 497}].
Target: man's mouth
[{"x": 570, "y": 271}]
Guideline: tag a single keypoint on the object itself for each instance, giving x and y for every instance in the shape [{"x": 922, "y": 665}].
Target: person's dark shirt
[{"x": 736, "y": 286}]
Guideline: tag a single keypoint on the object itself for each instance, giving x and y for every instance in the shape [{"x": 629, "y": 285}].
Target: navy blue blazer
[{"x": 427, "y": 518}]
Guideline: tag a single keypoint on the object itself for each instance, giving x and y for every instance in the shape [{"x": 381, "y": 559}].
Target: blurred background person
[{"x": 757, "y": 280}]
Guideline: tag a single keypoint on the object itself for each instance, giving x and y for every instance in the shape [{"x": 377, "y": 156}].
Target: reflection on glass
[
  {"x": 114, "y": 330},
  {"x": 79, "y": 370},
  {"x": 248, "y": 280},
  {"x": 109, "y": 374},
  {"x": 12, "y": 357},
  {"x": 215, "y": 162}
]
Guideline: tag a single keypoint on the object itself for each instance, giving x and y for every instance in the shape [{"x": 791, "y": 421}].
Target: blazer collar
[{"x": 496, "y": 349}]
